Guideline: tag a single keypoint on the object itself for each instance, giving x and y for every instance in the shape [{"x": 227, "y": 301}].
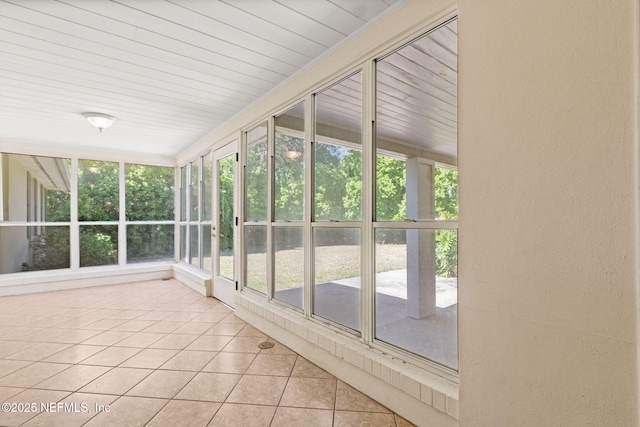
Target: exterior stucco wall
[{"x": 14, "y": 245}]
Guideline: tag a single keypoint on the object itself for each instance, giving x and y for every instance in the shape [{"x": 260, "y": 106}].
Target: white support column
[{"x": 421, "y": 263}]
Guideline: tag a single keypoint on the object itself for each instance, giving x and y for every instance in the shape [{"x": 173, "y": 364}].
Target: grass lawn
[{"x": 331, "y": 263}]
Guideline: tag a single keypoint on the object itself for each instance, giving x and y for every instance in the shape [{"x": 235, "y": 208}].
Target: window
[
  {"x": 256, "y": 212},
  {"x": 309, "y": 244},
  {"x": 195, "y": 212},
  {"x": 98, "y": 212},
  {"x": 338, "y": 201},
  {"x": 338, "y": 152},
  {"x": 36, "y": 220},
  {"x": 35, "y": 200},
  {"x": 289, "y": 181},
  {"x": 416, "y": 208},
  {"x": 149, "y": 201}
]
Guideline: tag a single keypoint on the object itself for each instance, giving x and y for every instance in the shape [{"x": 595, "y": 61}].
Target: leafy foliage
[
  {"x": 50, "y": 250},
  {"x": 225, "y": 178},
  {"x": 338, "y": 191},
  {"x": 98, "y": 246},
  {"x": 338, "y": 176},
  {"x": 446, "y": 189},
  {"x": 289, "y": 178},
  {"x": 391, "y": 189},
  {"x": 149, "y": 193},
  {"x": 149, "y": 196}
]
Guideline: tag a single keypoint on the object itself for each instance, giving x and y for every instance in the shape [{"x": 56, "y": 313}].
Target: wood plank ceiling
[
  {"x": 417, "y": 94},
  {"x": 169, "y": 70}
]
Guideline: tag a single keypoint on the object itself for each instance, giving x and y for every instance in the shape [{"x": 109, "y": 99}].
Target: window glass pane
[
  {"x": 194, "y": 245},
  {"x": 416, "y": 292},
  {"x": 391, "y": 188},
  {"x": 289, "y": 265},
  {"x": 207, "y": 176},
  {"x": 195, "y": 188},
  {"x": 206, "y": 247},
  {"x": 338, "y": 151},
  {"x": 184, "y": 190},
  {"x": 256, "y": 173},
  {"x": 289, "y": 165},
  {"x": 184, "y": 239},
  {"x": 47, "y": 249},
  {"x": 98, "y": 245},
  {"x": 416, "y": 126},
  {"x": 256, "y": 257},
  {"x": 226, "y": 220},
  {"x": 446, "y": 182},
  {"x": 35, "y": 188},
  {"x": 337, "y": 275},
  {"x": 149, "y": 242},
  {"x": 98, "y": 191},
  {"x": 149, "y": 193}
]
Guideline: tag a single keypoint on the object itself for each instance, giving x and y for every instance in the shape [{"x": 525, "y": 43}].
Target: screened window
[
  {"x": 98, "y": 208},
  {"x": 338, "y": 198},
  {"x": 256, "y": 174},
  {"x": 338, "y": 152},
  {"x": 416, "y": 209},
  {"x": 149, "y": 201},
  {"x": 289, "y": 165},
  {"x": 35, "y": 213},
  {"x": 36, "y": 220},
  {"x": 195, "y": 211},
  {"x": 309, "y": 244},
  {"x": 289, "y": 206},
  {"x": 257, "y": 210}
]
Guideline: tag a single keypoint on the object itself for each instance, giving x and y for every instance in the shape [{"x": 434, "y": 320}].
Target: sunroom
[
  {"x": 290, "y": 169},
  {"x": 335, "y": 211}
]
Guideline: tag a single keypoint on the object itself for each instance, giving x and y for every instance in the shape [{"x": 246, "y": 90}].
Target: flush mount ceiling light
[{"x": 99, "y": 120}]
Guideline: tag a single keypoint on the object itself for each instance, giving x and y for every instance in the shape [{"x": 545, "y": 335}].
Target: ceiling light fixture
[{"x": 99, "y": 120}]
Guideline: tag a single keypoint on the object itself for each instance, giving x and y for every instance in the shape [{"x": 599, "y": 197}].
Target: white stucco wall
[
  {"x": 14, "y": 245},
  {"x": 547, "y": 213}
]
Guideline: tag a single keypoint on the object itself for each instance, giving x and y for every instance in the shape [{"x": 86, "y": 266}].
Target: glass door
[{"x": 223, "y": 230}]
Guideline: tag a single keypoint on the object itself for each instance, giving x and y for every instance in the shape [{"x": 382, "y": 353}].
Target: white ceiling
[{"x": 169, "y": 70}]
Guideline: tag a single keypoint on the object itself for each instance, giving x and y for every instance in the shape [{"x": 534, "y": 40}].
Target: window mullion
[
  {"x": 74, "y": 232},
  {"x": 309, "y": 200},
  {"x": 270, "y": 205},
  {"x": 368, "y": 203},
  {"x": 122, "y": 228}
]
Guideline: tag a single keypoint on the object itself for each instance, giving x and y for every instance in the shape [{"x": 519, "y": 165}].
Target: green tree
[
  {"x": 446, "y": 194},
  {"x": 391, "y": 189},
  {"x": 149, "y": 196},
  {"x": 226, "y": 205},
  {"x": 256, "y": 181},
  {"x": 149, "y": 193},
  {"x": 330, "y": 182},
  {"x": 289, "y": 178}
]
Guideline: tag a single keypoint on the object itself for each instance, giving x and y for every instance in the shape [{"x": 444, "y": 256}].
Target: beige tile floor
[{"x": 158, "y": 354}]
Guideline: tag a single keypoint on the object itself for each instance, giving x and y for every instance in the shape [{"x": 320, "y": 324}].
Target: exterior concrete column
[{"x": 421, "y": 262}]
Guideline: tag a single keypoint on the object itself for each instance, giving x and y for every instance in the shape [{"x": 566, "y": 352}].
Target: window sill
[{"x": 56, "y": 280}]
